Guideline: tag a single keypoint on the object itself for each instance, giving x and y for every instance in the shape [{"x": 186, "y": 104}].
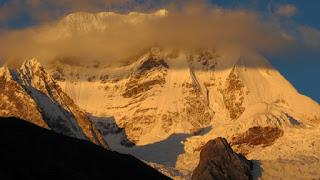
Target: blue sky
[
  {"x": 301, "y": 68},
  {"x": 300, "y": 65}
]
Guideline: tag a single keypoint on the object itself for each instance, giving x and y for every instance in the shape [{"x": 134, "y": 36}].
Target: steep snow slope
[
  {"x": 151, "y": 98},
  {"x": 164, "y": 93},
  {"x": 31, "y": 93}
]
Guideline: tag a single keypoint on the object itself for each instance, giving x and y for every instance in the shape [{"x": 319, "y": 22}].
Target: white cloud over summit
[
  {"x": 115, "y": 36},
  {"x": 110, "y": 37}
]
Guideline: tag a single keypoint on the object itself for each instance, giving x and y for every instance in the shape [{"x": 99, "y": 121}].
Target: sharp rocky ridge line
[{"x": 32, "y": 94}]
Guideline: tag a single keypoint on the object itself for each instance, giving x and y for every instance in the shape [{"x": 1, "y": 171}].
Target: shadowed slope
[{"x": 31, "y": 152}]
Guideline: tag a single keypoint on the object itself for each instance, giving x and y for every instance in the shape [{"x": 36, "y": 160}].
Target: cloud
[
  {"x": 113, "y": 37},
  {"x": 310, "y": 37},
  {"x": 287, "y": 10}
]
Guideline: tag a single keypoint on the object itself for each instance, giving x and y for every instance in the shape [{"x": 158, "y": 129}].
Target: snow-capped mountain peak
[
  {"x": 34, "y": 75},
  {"x": 32, "y": 63},
  {"x": 31, "y": 93},
  {"x": 165, "y": 94}
]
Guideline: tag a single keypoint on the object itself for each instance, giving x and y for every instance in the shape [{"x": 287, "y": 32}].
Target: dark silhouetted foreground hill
[{"x": 31, "y": 152}]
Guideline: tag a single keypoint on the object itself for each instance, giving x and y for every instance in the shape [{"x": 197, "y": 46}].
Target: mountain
[
  {"x": 165, "y": 92},
  {"x": 169, "y": 102},
  {"x": 161, "y": 94},
  {"x": 31, "y": 93},
  {"x": 162, "y": 91},
  {"x": 32, "y": 152}
]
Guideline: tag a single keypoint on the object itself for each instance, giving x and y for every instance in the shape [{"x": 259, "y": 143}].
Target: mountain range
[{"x": 167, "y": 103}]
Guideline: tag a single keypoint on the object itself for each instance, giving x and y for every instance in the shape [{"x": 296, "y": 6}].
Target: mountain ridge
[{"x": 51, "y": 107}]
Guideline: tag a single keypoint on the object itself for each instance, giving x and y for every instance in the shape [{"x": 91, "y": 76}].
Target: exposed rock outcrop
[
  {"x": 233, "y": 95},
  {"x": 218, "y": 161},
  {"x": 255, "y": 136}
]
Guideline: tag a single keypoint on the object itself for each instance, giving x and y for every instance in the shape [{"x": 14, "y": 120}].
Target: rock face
[
  {"x": 15, "y": 101},
  {"x": 218, "y": 161},
  {"x": 32, "y": 94},
  {"x": 32, "y": 152},
  {"x": 256, "y": 136}
]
